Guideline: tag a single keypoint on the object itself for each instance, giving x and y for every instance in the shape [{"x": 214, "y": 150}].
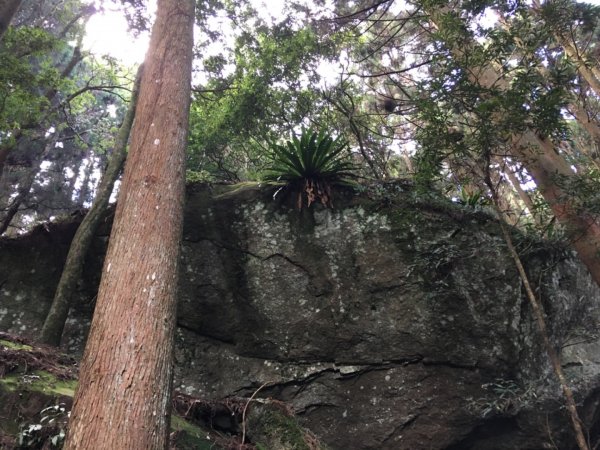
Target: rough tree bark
[
  {"x": 59, "y": 310},
  {"x": 8, "y": 9},
  {"x": 124, "y": 386}
]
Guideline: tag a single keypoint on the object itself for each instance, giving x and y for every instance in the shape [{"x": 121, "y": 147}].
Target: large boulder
[{"x": 389, "y": 322}]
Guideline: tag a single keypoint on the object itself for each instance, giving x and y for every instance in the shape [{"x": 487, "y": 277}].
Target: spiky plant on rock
[{"x": 309, "y": 166}]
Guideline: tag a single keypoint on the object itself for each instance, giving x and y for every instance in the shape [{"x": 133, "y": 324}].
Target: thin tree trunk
[
  {"x": 546, "y": 167},
  {"x": 589, "y": 74},
  {"x": 35, "y": 144},
  {"x": 5, "y": 150},
  {"x": 8, "y": 9},
  {"x": 590, "y": 126},
  {"x": 408, "y": 161},
  {"x": 59, "y": 310},
  {"x": 125, "y": 380},
  {"x": 348, "y": 113},
  {"x": 88, "y": 168},
  {"x": 505, "y": 194},
  {"x": 523, "y": 196},
  {"x": 538, "y": 314},
  {"x": 575, "y": 106}
]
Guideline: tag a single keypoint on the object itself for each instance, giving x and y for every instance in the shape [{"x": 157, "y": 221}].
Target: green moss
[
  {"x": 40, "y": 381},
  {"x": 22, "y": 397},
  {"x": 276, "y": 430},
  {"x": 21, "y": 387},
  {"x": 9, "y": 420},
  {"x": 180, "y": 424},
  {"x": 225, "y": 191},
  {"x": 190, "y": 436},
  {"x": 15, "y": 346}
]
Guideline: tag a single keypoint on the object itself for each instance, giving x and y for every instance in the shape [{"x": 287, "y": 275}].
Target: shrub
[{"x": 309, "y": 166}]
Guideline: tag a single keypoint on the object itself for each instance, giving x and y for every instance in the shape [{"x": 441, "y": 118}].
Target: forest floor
[{"x": 37, "y": 385}]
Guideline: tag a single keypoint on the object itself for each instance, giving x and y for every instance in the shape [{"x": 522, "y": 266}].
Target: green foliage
[
  {"x": 561, "y": 15},
  {"x": 202, "y": 176},
  {"x": 281, "y": 431},
  {"x": 585, "y": 189},
  {"x": 504, "y": 397},
  {"x": 310, "y": 165},
  {"x": 48, "y": 432},
  {"x": 474, "y": 200},
  {"x": 541, "y": 223},
  {"x": 252, "y": 95},
  {"x": 27, "y": 72},
  {"x": 532, "y": 93},
  {"x": 313, "y": 155}
]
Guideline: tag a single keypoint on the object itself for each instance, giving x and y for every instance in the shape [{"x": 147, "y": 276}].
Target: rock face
[{"x": 387, "y": 323}]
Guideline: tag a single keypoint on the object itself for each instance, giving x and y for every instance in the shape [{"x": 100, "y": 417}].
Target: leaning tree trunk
[
  {"x": 591, "y": 127},
  {"x": 59, "y": 310},
  {"x": 8, "y": 9},
  {"x": 538, "y": 314},
  {"x": 125, "y": 379},
  {"x": 522, "y": 195},
  {"x": 546, "y": 167}
]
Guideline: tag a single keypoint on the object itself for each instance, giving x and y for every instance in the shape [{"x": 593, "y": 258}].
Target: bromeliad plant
[{"x": 310, "y": 165}]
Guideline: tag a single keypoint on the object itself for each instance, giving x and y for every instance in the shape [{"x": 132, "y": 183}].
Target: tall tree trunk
[
  {"x": 590, "y": 126},
  {"x": 547, "y": 167},
  {"x": 590, "y": 74},
  {"x": 125, "y": 380},
  {"x": 543, "y": 163},
  {"x": 8, "y": 8},
  {"x": 59, "y": 310},
  {"x": 88, "y": 168}
]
